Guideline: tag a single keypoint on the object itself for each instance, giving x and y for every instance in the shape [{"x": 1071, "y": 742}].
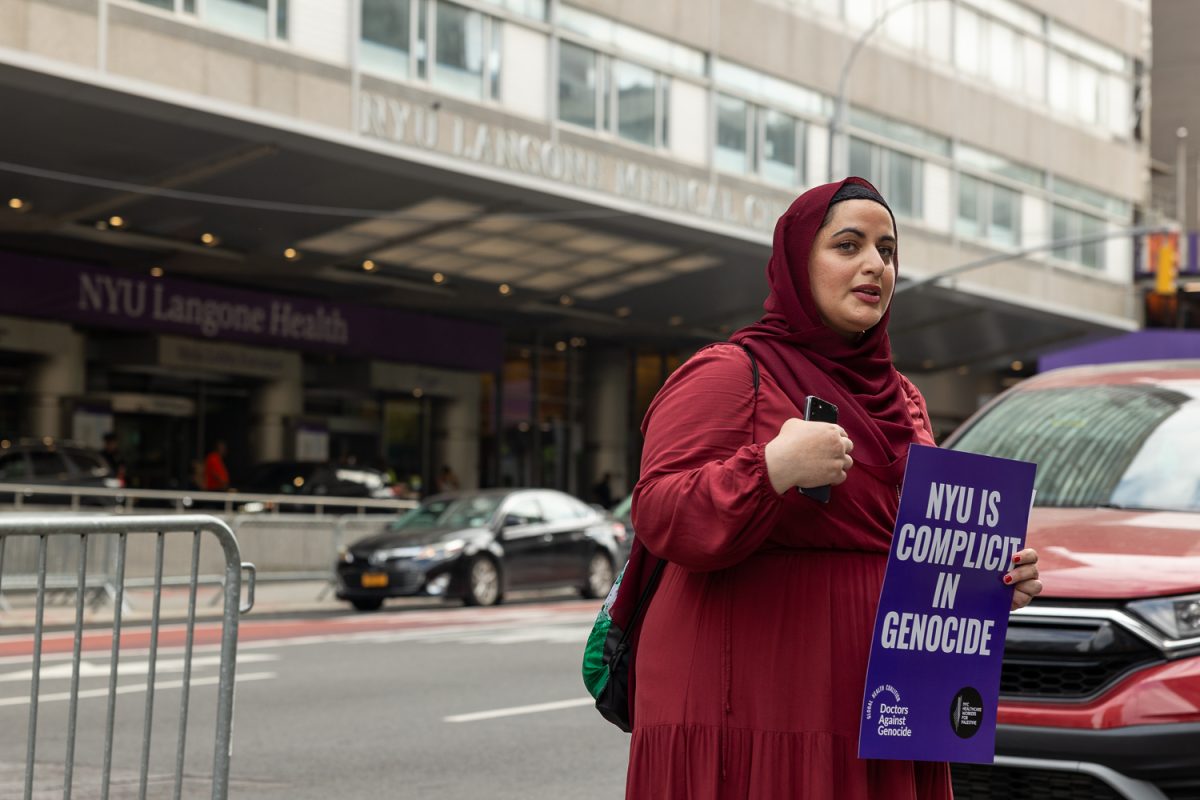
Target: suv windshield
[
  {"x": 456, "y": 512},
  {"x": 1131, "y": 446}
]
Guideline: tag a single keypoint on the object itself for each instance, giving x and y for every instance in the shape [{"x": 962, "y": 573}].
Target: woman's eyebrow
[{"x": 887, "y": 237}]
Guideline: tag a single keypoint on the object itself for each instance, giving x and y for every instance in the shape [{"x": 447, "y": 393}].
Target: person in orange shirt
[{"x": 216, "y": 476}]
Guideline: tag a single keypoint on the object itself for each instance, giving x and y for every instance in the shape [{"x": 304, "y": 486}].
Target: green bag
[{"x": 609, "y": 653}]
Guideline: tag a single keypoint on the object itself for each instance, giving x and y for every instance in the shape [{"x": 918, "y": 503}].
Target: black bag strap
[{"x": 662, "y": 562}]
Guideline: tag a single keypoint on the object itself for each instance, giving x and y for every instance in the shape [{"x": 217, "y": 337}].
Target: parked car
[
  {"x": 1100, "y": 694},
  {"x": 315, "y": 480},
  {"x": 477, "y": 545},
  {"x": 48, "y": 463},
  {"x": 622, "y": 513}
]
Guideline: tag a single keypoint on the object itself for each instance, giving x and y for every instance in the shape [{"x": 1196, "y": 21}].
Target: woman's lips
[{"x": 867, "y": 295}]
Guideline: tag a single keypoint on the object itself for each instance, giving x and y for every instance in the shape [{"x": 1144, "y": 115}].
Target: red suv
[{"x": 1100, "y": 694}]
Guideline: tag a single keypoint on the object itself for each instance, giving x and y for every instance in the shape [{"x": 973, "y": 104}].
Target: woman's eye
[{"x": 847, "y": 247}]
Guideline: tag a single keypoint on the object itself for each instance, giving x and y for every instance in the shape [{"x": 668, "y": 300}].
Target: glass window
[
  {"x": 780, "y": 148},
  {"x": 862, "y": 160},
  {"x": 899, "y": 131},
  {"x": 733, "y": 137},
  {"x": 635, "y": 102},
  {"x": 1119, "y": 102},
  {"x": 458, "y": 49},
  {"x": 534, "y": 9},
  {"x": 903, "y": 186},
  {"x": 967, "y": 50},
  {"x": 472, "y": 511},
  {"x": 47, "y": 464},
  {"x": 937, "y": 38},
  {"x": 969, "y": 221},
  {"x": 243, "y": 17},
  {"x": 558, "y": 508},
  {"x": 1033, "y": 55},
  {"x": 386, "y": 35},
  {"x": 1064, "y": 226},
  {"x": 1004, "y": 225},
  {"x": 169, "y": 5},
  {"x": 12, "y": 467},
  {"x": 1060, "y": 82},
  {"x": 1127, "y": 445},
  {"x": 577, "y": 84},
  {"x": 1091, "y": 253},
  {"x": 1003, "y": 61},
  {"x": 1087, "y": 91},
  {"x": 524, "y": 507}
]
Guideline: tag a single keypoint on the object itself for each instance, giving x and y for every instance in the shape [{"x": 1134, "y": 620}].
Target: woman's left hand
[{"x": 1023, "y": 577}]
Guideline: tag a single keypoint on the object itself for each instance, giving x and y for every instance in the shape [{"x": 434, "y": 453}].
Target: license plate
[{"x": 374, "y": 580}]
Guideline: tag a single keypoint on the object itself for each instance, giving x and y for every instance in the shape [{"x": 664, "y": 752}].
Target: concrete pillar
[
  {"x": 456, "y": 442},
  {"x": 273, "y": 405},
  {"x": 607, "y": 418},
  {"x": 53, "y": 380}
]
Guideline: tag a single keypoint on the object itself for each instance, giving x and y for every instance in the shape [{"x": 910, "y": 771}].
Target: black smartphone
[{"x": 818, "y": 410}]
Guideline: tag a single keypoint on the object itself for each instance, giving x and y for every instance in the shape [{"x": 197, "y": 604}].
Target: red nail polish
[
  {"x": 1008, "y": 578},
  {"x": 1016, "y": 559}
]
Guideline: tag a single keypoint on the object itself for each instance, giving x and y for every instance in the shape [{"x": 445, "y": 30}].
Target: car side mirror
[{"x": 510, "y": 521}]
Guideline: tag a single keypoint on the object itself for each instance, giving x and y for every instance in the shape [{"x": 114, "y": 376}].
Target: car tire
[
  {"x": 367, "y": 603},
  {"x": 600, "y": 576},
  {"x": 483, "y": 583}
]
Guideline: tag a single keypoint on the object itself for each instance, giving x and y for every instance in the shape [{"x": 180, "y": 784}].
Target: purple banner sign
[
  {"x": 71, "y": 292},
  {"x": 933, "y": 681}
]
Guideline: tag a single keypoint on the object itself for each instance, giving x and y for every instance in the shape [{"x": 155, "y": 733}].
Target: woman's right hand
[{"x": 808, "y": 454}]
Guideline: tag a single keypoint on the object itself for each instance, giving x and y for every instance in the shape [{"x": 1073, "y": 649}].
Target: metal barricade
[{"x": 46, "y": 529}]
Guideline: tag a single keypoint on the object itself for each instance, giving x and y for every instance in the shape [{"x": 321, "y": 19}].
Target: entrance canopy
[{"x": 580, "y": 242}]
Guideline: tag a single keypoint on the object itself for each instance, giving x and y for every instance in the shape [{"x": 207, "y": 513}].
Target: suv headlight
[
  {"x": 444, "y": 550},
  {"x": 1177, "y": 617}
]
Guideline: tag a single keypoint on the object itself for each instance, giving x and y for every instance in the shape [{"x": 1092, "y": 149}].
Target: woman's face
[{"x": 851, "y": 268}]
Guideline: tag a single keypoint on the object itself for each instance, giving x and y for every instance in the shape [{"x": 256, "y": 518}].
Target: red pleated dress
[{"x": 753, "y": 651}]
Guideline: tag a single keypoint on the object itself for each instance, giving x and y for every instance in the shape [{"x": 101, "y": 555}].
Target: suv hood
[
  {"x": 1100, "y": 553},
  {"x": 417, "y": 538}
]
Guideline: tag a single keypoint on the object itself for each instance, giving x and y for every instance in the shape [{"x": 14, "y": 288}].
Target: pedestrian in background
[
  {"x": 602, "y": 491},
  {"x": 447, "y": 481},
  {"x": 111, "y": 453},
  {"x": 753, "y": 650},
  {"x": 216, "y": 475}
]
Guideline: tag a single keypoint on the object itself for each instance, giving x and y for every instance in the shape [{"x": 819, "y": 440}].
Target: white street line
[
  {"x": 91, "y": 669},
  {"x": 518, "y": 710},
  {"x": 134, "y": 688}
]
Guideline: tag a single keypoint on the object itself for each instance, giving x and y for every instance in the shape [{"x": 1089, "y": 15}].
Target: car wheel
[
  {"x": 599, "y": 576},
  {"x": 367, "y": 603},
  {"x": 483, "y": 583}
]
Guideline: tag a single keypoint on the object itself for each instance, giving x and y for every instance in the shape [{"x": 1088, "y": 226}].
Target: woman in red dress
[{"x": 753, "y": 652}]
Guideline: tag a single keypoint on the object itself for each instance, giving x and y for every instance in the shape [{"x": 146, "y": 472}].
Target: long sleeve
[{"x": 704, "y": 500}]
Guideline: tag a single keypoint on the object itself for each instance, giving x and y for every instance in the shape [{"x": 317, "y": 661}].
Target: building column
[
  {"x": 456, "y": 441},
  {"x": 273, "y": 405},
  {"x": 607, "y": 418},
  {"x": 56, "y": 377}
]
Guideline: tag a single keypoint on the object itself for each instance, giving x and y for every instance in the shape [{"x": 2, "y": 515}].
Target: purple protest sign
[{"x": 933, "y": 681}]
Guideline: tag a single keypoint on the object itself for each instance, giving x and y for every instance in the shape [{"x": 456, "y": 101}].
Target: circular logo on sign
[{"x": 966, "y": 712}]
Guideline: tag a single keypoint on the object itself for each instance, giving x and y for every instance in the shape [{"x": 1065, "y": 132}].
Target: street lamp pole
[{"x": 838, "y": 120}]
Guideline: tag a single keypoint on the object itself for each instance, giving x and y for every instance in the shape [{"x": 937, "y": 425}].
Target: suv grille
[
  {"x": 981, "y": 782},
  {"x": 1068, "y": 659}
]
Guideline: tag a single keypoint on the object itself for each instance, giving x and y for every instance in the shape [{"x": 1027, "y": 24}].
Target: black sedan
[{"x": 476, "y": 545}]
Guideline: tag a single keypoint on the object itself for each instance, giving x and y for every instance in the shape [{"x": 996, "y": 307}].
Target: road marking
[
  {"x": 134, "y": 688},
  {"x": 515, "y": 711},
  {"x": 91, "y": 669}
]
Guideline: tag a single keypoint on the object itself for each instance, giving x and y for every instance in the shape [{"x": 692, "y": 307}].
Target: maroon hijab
[{"x": 805, "y": 357}]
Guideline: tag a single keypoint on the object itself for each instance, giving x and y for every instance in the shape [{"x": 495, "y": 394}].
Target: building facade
[{"x": 481, "y": 233}]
